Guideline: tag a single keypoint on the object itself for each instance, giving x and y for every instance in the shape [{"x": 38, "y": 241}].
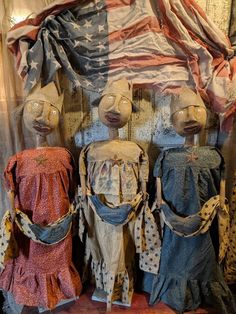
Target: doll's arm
[
  {"x": 83, "y": 185},
  {"x": 222, "y": 193},
  {"x": 158, "y": 192},
  {"x": 144, "y": 189},
  {"x": 11, "y": 197},
  {"x": 158, "y": 200}
]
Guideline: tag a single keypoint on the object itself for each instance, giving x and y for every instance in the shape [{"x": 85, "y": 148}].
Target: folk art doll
[
  {"x": 190, "y": 194},
  {"x": 117, "y": 220},
  {"x": 39, "y": 184}
]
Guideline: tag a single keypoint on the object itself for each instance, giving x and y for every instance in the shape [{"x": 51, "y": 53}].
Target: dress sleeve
[
  {"x": 157, "y": 171},
  {"x": 144, "y": 166},
  {"x": 82, "y": 161},
  {"x": 10, "y": 174}
]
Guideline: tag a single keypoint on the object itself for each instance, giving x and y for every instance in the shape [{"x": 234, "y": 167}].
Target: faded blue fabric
[
  {"x": 49, "y": 234},
  {"x": 115, "y": 215},
  {"x": 185, "y": 225},
  {"x": 189, "y": 273}
]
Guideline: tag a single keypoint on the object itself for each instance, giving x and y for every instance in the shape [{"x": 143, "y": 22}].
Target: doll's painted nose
[
  {"x": 191, "y": 113},
  {"x": 115, "y": 106},
  {"x": 44, "y": 117}
]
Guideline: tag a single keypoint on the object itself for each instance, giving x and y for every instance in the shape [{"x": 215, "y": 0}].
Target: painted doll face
[
  {"x": 40, "y": 117},
  {"x": 114, "y": 110},
  {"x": 189, "y": 120}
]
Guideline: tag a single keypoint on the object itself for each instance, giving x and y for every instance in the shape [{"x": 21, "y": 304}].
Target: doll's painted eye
[
  {"x": 35, "y": 107},
  {"x": 110, "y": 98},
  {"x": 54, "y": 112},
  {"x": 124, "y": 101}
]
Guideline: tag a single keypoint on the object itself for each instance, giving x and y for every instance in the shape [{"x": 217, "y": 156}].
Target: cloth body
[
  {"x": 113, "y": 171},
  {"x": 41, "y": 180},
  {"x": 189, "y": 273}
]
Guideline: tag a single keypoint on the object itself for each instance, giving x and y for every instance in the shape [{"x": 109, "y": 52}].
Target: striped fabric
[{"x": 163, "y": 44}]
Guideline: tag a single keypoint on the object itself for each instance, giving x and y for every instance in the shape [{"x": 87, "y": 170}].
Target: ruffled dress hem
[
  {"x": 172, "y": 291},
  {"x": 43, "y": 290}
]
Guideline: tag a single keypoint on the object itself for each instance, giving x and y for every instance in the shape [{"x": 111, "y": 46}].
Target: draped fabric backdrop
[{"x": 79, "y": 123}]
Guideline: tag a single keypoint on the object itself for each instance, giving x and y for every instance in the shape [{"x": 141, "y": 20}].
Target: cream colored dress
[{"x": 114, "y": 170}]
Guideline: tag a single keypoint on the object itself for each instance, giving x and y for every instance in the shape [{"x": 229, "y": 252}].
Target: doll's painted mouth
[
  {"x": 112, "y": 117},
  {"x": 41, "y": 128},
  {"x": 194, "y": 128}
]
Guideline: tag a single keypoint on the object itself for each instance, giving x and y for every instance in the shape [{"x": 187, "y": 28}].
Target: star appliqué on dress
[
  {"x": 192, "y": 157},
  {"x": 115, "y": 161},
  {"x": 41, "y": 160}
]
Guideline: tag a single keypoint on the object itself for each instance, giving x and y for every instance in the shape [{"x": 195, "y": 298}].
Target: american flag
[{"x": 163, "y": 44}]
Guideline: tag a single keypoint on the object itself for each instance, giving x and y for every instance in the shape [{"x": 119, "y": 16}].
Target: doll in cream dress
[{"x": 113, "y": 175}]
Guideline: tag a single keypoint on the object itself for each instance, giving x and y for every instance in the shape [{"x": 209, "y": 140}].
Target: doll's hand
[
  {"x": 145, "y": 196},
  {"x": 155, "y": 206},
  {"x": 13, "y": 214},
  {"x": 222, "y": 202}
]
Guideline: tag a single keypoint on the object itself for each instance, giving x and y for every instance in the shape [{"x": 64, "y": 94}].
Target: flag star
[
  {"x": 99, "y": 5},
  {"x": 88, "y": 24},
  {"x": 89, "y": 37},
  {"x": 33, "y": 65},
  {"x": 76, "y": 83},
  {"x": 88, "y": 83},
  {"x": 87, "y": 66},
  {"x": 69, "y": 65},
  {"x": 55, "y": 63},
  {"x": 77, "y": 43},
  {"x": 101, "y": 46},
  {"x": 33, "y": 82},
  {"x": 89, "y": 5},
  {"x": 75, "y": 26},
  {"x": 56, "y": 33},
  {"x": 101, "y": 28},
  {"x": 100, "y": 75},
  {"x": 61, "y": 50},
  {"x": 101, "y": 62},
  {"x": 48, "y": 54}
]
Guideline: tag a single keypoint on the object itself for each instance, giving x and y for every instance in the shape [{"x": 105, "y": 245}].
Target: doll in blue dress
[{"x": 190, "y": 193}]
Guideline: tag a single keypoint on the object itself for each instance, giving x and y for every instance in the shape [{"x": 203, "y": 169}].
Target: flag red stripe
[
  {"x": 148, "y": 24},
  {"x": 114, "y": 4},
  {"x": 145, "y": 61}
]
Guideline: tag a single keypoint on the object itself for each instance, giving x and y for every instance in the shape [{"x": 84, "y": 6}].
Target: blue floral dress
[{"x": 189, "y": 273}]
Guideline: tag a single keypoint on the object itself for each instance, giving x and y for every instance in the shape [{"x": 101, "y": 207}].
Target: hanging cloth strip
[
  {"x": 8, "y": 245},
  {"x": 50, "y": 234},
  {"x": 200, "y": 223}
]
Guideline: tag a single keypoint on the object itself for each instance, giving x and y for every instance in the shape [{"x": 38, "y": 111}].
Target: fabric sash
[
  {"x": 200, "y": 222},
  {"x": 118, "y": 215},
  {"x": 50, "y": 234}
]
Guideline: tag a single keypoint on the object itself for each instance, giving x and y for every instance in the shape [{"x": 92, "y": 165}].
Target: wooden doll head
[
  {"x": 188, "y": 112},
  {"x": 115, "y": 107},
  {"x": 42, "y": 109}
]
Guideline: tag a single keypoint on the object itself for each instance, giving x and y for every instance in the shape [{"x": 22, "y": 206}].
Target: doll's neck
[
  {"x": 190, "y": 140},
  {"x": 41, "y": 141},
  {"x": 113, "y": 133}
]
